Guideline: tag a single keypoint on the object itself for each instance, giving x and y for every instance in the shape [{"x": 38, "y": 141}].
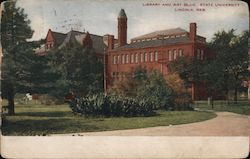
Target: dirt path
[{"x": 225, "y": 124}]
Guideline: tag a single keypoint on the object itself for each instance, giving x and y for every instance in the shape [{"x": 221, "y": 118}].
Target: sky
[{"x": 100, "y": 16}]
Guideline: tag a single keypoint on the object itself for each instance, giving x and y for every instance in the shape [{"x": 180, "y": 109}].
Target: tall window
[
  {"x": 127, "y": 59},
  {"x": 123, "y": 59},
  {"x": 114, "y": 60},
  {"x": 141, "y": 57},
  {"x": 180, "y": 52},
  {"x": 118, "y": 59},
  {"x": 146, "y": 57},
  {"x": 170, "y": 55},
  {"x": 132, "y": 58},
  {"x": 136, "y": 58},
  {"x": 151, "y": 56},
  {"x": 156, "y": 56},
  {"x": 175, "y": 54}
]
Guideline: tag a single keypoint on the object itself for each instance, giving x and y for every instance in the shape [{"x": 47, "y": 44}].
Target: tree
[
  {"x": 231, "y": 61},
  {"x": 79, "y": 71},
  {"x": 182, "y": 95},
  {"x": 189, "y": 69},
  {"x": 15, "y": 30}
]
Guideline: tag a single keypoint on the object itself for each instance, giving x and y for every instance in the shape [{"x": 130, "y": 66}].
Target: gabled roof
[
  {"x": 155, "y": 43},
  {"x": 77, "y": 36},
  {"x": 161, "y": 33},
  {"x": 70, "y": 37},
  {"x": 59, "y": 37}
]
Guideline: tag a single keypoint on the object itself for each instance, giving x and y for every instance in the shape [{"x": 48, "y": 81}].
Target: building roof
[
  {"x": 59, "y": 37},
  {"x": 161, "y": 33},
  {"x": 155, "y": 43},
  {"x": 77, "y": 36},
  {"x": 122, "y": 14}
]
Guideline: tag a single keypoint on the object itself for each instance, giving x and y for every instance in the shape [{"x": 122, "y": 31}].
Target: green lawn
[
  {"x": 36, "y": 119},
  {"x": 241, "y": 107}
]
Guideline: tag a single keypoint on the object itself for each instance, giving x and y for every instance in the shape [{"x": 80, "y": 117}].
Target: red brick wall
[
  {"x": 50, "y": 41},
  {"x": 189, "y": 49}
]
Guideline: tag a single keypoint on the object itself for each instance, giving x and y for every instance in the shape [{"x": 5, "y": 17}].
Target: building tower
[{"x": 122, "y": 28}]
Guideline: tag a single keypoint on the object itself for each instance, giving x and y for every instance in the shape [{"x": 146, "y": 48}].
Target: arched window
[
  {"x": 175, "y": 54},
  {"x": 132, "y": 58},
  {"x": 114, "y": 60},
  {"x": 146, "y": 57},
  {"x": 118, "y": 59},
  {"x": 127, "y": 59},
  {"x": 156, "y": 56},
  {"x": 180, "y": 52},
  {"x": 123, "y": 59},
  {"x": 141, "y": 57},
  {"x": 136, "y": 58},
  {"x": 151, "y": 56},
  {"x": 170, "y": 55}
]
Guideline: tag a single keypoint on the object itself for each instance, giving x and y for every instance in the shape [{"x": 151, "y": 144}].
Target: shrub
[{"x": 111, "y": 105}]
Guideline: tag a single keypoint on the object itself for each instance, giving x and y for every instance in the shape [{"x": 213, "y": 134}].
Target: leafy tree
[
  {"x": 78, "y": 69},
  {"x": 188, "y": 68},
  {"x": 182, "y": 95},
  {"x": 157, "y": 90},
  {"x": 15, "y": 29},
  {"x": 232, "y": 59}
]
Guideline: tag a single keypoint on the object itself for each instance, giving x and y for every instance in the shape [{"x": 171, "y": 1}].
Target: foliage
[
  {"x": 182, "y": 96},
  {"x": 188, "y": 68},
  {"x": 230, "y": 67},
  {"x": 155, "y": 88},
  {"x": 15, "y": 29},
  {"x": 112, "y": 105},
  {"x": 79, "y": 71},
  {"x": 145, "y": 85}
]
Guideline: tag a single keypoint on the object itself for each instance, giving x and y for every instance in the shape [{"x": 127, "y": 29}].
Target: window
[
  {"x": 114, "y": 60},
  {"x": 132, "y": 58},
  {"x": 202, "y": 54},
  {"x": 156, "y": 56},
  {"x": 136, "y": 58},
  {"x": 180, "y": 52},
  {"x": 175, "y": 54},
  {"x": 198, "y": 56},
  {"x": 141, "y": 57},
  {"x": 123, "y": 59},
  {"x": 118, "y": 59},
  {"x": 170, "y": 55},
  {"x": 127, "y": 59},
  {"x": 146, "y": 57},
  {"x": 151, "y": 57}
]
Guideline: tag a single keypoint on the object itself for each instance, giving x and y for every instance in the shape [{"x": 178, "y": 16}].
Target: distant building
[
  {"x": 56, "y": 40},
  {"x": 153, "y": 51}
]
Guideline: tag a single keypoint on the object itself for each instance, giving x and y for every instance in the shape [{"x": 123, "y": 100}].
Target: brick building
[
  {"x": 153, "y": 51},
  {"x": 56, "y": 40}
]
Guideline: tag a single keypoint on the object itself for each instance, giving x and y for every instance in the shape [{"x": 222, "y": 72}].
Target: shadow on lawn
[
  {"x": 46, "y": 114},
  {"x": 44, "y": 127}
]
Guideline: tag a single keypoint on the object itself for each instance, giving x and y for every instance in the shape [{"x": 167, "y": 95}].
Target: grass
[
  {"x": 37, "y": 119},
  {"x": 241, "y": 107}
]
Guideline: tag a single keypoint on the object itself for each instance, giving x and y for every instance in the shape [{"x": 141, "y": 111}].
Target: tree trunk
[{"x": 11, "y": 103}]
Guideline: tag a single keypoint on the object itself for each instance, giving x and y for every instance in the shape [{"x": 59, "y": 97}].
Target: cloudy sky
[{"x": 100, "y": 16}]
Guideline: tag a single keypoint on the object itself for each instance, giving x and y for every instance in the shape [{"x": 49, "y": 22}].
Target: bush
[{"x": 111, "y": 105}]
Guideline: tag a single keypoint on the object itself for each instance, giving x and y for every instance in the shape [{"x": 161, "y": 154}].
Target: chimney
[
  {"x": 192, "y": 32},
  {"x": 110, "y": 42}
]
